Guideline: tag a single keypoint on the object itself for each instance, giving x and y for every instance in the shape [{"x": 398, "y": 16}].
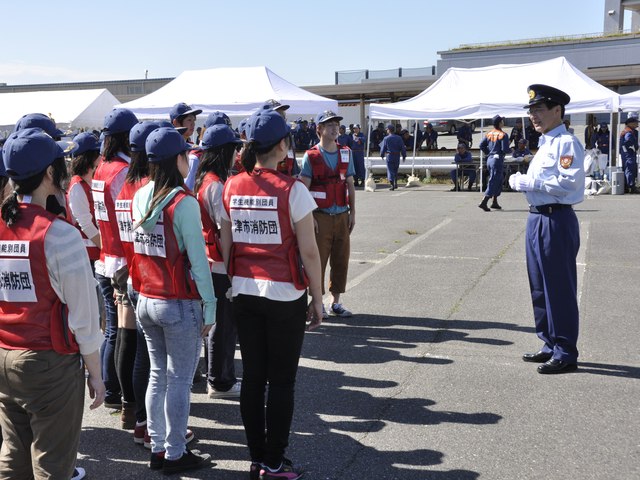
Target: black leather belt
[{"x": 554, "y": 207}]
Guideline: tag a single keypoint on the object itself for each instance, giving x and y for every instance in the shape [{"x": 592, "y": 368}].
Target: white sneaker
[
  {"x": 233, "y": 392},
  {"x": 78, "y": 473}
]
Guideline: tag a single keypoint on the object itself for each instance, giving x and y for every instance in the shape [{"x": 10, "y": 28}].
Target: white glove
[
  {"x": 513, "y": 179},
  {"x": 524, "y": 183}
]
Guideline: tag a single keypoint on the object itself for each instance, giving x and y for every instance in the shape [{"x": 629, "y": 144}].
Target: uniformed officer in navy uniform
[
  {"x": 602, "y": 139},
  {"x": 553, "y": 183},
  {"x": 495, "y": 145},
  {"x": 628, "y": 152},
  {"x": 391, "y": 148}
]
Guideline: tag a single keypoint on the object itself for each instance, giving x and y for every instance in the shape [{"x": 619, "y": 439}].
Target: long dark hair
[
  {"x": 252, "y": 149},
  {"x": 118, "y": 142},
  {"x": 138, "y": 168},
  {"x": 165, "y": 176},
  {"x": 81, "y": 164},
  {"x": 9, "y": 210},
  {"x": 217, "y": 160}
]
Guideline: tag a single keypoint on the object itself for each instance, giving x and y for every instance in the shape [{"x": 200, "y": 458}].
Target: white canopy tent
[
  {"x": 630, "y": 101},
  {"x": 69, "y": 108},
  {"x": 479, "y": 93},
  {"x": 235, "y": 91},
  {"x": 499, "y": 90}
]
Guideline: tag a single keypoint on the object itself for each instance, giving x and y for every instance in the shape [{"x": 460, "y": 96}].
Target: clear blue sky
[{"x": 304, "y": 41}]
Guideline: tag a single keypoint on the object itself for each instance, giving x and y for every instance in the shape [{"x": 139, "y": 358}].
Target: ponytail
[
  {"x": 9, "y": 209},
  {"x": 248, "y": 157}
]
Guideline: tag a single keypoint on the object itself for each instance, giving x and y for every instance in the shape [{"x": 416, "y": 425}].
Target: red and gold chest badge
[{"x": 566, "y": 161}]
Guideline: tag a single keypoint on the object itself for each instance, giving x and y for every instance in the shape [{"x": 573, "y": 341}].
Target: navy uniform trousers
[{"x": 552, "y": 245}]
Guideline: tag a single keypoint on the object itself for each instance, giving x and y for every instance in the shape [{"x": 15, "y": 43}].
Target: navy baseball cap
[
  {"x": 326, "y": 116},
  {"x": 182, "y": 110},
  {"x": 273, "y": 104},
  {"x": 3, "y": 172},
  {"x": 218, "y": 135},
  {"x": 633, "y": 117},
  {"x": 242, "y": 126},
  {"x": 357, "y": 125},
  {"x": 497, "y": 119},
  {"x": 539, "y": 93},
  {"x": 83, "y": 142},
  {"x": 119, "y": 120},
  {"x": 167, "y": 123},
  {"x": 38, "y": 120},
  {"x": 217, "y": 118},
  {"x": 391, "y": 127},
  {"x": 139, "y": 133},
  {"x": 163, "y": 143},
  {"x": 28, "y": 152},
  {"x": 266, "y": 128}
]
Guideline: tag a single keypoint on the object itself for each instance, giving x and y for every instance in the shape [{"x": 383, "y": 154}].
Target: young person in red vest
[
  {"x": 328, "y": 171},
  {"x": 218, "y": 145},
  {"x": 49, "y": 329},
  {"x": 84, "y": 160},
  {"x": 171, "y": 271},
  {"x": 289, "y": 165},
  {"x": 269, "y": 247},
  {"x": 118, "y": 353}
]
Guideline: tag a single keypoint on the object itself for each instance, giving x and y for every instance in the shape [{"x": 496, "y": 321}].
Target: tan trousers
[
  {"x": 334, "y": 246},
  {"x": 41, "y": 403}
]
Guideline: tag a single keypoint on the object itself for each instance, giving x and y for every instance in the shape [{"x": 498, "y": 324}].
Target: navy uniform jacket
[
  {"x": 629, "y": 143},
  {"x": 602, "y": 142},
  {"x": 344, "y": 140},
  {"x": 515, "y": 136},
  {"x": 517, "y": 153},
  {"x": 464, "y": 133},
  {"x": 496, "y": 142},
  {"x": 302, "y": 139},
  {"x": 392, "y": 146}
]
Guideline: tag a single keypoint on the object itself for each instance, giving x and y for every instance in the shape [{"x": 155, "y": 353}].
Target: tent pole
[
  {"x": 415, "y": 141},
  {"x": 481, "y": 154}
]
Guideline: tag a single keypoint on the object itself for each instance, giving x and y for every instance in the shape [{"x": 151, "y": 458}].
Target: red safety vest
[
  {"x": 286, "y": 165},
  {"x": 124, "y": 216},
  {"x": 209, "y": 227},
  {"x": 92, "y": 248},
  {"x": 104, "y": 206},
  {"x": 329, "y": 187},
  {"x": 32, "y": 317},
  {"x": 264, "y": 243},
  {"x": 159, "y": 268}
]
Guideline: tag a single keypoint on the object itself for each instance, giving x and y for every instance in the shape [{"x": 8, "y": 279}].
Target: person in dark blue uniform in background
[
  {"x": 517, "y": 133},
  {"x": 358, "y": 141},
  {"x": 303, "y": 136},
  {"x": 602, "y": 139},
  {"x": 391, "y": 148},
  {"x": 465, "y": 135},
  {"x": 463, "y": 156},
  {"x": 431, "y": 136},
  {"x": 377, "y": 136},
  {"x": 553, "y": 183},
  {"x": 628, "y": 151},
  {"x": 495, "y": 145},
  {"x": 344, "y": 139}
]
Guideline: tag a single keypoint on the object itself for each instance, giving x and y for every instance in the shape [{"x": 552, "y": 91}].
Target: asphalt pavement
[{"x": 426, "y": 380}]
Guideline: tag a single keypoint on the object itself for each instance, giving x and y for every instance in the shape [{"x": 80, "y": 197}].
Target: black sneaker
[
  {"x": 156, "y": 462},
  {"x": 188, "y": 461}
]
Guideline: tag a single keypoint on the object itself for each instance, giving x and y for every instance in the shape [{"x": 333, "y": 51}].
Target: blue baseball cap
[
  {"x": 83, "y": 142},
  {"x": 218, "y": 135},
  {"x": 3, "y": 172},
  {"x": 217, "y": 118},
  {"x": 326, "y": 116},
  {"x": 28, "y": 152},
  {"x": 119, "y": 120},
  {"x": 38, "y": 120},
  {"x": 266, "y": 128},
  {"x": 139, "y": 133},
  {"x": 497, "y": 119},
  {"x": 242, "y": 126},
  {"x": 633, "y": 117},
  {"x": 391, "y": 127},
  {"x": 182, "y": 110},
  {"x": 163, "y": 143},
  {"x": 273, "y": 104},
  {"x": 167, "y": 123}
]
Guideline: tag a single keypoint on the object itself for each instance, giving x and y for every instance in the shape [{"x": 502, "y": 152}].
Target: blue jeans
[
  {"x": 172, "y": 331},
  {"x": 108, "y": 349},
  {"x": 141, "y": 366}
]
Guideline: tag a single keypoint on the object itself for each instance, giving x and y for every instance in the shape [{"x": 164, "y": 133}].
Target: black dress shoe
[
  {"x": 538, "y": 357},
  {"x": 556, "y": 366}
]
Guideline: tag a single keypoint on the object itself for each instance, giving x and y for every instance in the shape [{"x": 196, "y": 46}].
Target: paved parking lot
[{"x": 426, "y": 380}]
